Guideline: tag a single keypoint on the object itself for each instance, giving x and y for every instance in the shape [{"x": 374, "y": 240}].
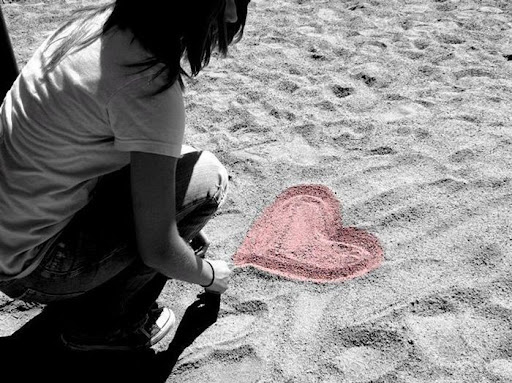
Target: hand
[
  {"x": 221, "y": 279},
  {"x": 200, "y": 244}
]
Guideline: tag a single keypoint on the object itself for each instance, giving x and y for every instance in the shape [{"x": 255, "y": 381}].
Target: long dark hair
[{"x": 168, "y": 29}]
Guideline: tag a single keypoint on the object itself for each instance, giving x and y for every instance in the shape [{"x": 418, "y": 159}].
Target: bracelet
[{"x": 213, "y": 275}]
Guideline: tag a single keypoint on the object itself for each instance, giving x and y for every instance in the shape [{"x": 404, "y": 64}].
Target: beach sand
[{"x": 402, "y": 108}]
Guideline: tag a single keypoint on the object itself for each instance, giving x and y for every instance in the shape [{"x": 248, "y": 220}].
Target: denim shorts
[{"x": 99, "y": 242}]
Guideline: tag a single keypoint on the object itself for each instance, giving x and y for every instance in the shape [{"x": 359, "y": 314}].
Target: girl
[{"x": 99, "y": 200}]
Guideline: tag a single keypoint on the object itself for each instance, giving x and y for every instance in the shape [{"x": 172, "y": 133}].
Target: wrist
[{"x": 211, "y": 272}]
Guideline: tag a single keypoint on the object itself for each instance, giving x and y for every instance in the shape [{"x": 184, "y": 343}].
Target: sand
[{"x": 402, "y": 108}]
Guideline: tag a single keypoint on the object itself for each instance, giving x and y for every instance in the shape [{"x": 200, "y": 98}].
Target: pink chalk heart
[{"x": 300, "y": 236}]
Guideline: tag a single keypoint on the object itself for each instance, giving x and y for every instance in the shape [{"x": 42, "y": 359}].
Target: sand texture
[{"x": 401, "y": 108}]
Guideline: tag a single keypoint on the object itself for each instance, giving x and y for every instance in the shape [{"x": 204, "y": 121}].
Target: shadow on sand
[{"x": 35, "y": 353}]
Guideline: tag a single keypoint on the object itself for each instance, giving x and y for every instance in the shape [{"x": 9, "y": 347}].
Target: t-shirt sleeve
[{"x": 147, "y": 123}]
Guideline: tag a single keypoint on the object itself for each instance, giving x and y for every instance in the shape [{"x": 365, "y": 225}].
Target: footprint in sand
[
  {"x": 350, "y": 134},
  {"x": 462, "y": 155},
  {"x": 236, "y": 365},
  {"x": 237, "y": 320},
  {"x": 501, "y": 298},
  {"x": 296, "y": 330},
  {"x": 298, "y": 153},
  {"x": 381, "y": 151},
  {"x": 342, "y": 91},
  {"x": 474, "y": 72},
  {"x": 373, "y": 74},
  {"x": 422, "y": 134},
  {"x": 364, "y": 353},
  {"x": 224, "y": 355},
  {"x": 431, "y": 306},
  {"x": 456, "y": 331}
]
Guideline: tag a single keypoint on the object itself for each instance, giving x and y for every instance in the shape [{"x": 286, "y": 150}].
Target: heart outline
[{"x": 312, "y": 213}]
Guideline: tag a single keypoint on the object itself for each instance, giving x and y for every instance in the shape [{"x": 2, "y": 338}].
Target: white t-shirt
[{"x": 61, "y": 132}]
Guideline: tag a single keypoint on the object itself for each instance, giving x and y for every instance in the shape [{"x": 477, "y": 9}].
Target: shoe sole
[{"x": 166, "y": 324}]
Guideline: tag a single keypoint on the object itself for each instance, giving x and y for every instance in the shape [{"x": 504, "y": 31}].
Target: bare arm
[{"x": 159, "y": 243}]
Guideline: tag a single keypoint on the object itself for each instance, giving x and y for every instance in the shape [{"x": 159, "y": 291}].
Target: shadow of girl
[{"x": 34, "y": 353}]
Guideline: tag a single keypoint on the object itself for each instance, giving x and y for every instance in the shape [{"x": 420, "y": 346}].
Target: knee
[{"x": 218, "y": 178}]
